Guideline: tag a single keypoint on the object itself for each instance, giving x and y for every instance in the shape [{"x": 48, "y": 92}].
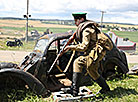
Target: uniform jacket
[{"x": 88, "y": 35}]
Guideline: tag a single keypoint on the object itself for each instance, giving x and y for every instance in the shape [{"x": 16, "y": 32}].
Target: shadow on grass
[
  {"x": 120, "y": 92},
  {"x": 12, "y": 95},
  {"x": 116, "y": 79}
]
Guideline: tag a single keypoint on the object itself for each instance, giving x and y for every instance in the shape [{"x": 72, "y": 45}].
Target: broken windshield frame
[{"x": 41, "y": 45}]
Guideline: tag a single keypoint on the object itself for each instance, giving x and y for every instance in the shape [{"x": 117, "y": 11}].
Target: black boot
[
  {"x": 75, "y": 83},
  {"x": 102, "y": 83}
]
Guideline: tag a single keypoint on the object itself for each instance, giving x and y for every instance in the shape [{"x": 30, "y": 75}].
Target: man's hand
[
  {"x": 71, "y": 47},
  {"x": 70, "y": 31}
]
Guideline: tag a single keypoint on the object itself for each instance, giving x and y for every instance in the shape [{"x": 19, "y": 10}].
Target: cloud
[
  {"x": 62, "y": 9},
  {"x": 12, "y": 5}
]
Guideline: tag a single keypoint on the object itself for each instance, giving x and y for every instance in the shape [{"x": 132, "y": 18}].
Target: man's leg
[
  {"x": 93, "y": 72},
  {"x": 75, "y": 83},
  {"x": 77, "y": 69},
  {"x": 102, "y": 83}
]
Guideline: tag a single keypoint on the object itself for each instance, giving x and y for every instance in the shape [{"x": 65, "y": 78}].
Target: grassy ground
[
  {"x": 124, "y": 90},
  {"x": 131, "y": 35},
  {"x": 26, "y": 46}
]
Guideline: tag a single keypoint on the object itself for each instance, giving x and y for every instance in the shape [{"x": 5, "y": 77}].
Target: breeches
[{"x": 89, "y": 63}]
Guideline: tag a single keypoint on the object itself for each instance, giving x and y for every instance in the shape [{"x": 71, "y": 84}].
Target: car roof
[{"x": 57, "y": 36}]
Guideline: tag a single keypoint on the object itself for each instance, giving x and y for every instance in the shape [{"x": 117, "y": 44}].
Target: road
[
  {"x": 12, "y": 56},
  {"x": 17, "y": 56},
  {"x": 132, "y": 58}
]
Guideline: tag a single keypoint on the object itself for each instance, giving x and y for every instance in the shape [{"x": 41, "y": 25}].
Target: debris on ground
[
  {"x": 134, "y": 70},
  {"x": 62, "y": 95}
]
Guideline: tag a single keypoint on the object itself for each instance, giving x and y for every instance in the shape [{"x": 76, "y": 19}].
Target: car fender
[
  {"x": 30, "y": 80},
  {"x": 118, "y": 62},
  {"x": 4, "y": 65}
]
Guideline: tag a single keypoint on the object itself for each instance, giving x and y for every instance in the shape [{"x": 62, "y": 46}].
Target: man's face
[{"x": 78, "y": 21}]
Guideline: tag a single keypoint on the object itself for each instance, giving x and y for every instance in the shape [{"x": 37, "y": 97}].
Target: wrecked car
[
  {"x": 32, "y": 71},
  {"x": 17, "y": 42}
]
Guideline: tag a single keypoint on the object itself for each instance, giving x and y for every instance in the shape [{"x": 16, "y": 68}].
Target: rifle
[{"x": 62, "y": 51}]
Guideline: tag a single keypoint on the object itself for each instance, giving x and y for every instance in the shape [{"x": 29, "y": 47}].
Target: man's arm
[{"x": 85, "y": 40}]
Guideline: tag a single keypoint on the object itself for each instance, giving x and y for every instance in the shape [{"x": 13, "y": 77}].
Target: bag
[{"x": 104, "y": 41}]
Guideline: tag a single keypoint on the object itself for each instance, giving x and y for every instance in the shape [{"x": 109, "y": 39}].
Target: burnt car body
[{"x": 32, "y": 71}]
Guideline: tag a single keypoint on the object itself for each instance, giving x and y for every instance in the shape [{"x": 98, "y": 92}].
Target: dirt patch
[
  {"x": 13, "y": 33},
  {"x": 22, "y": 23},
  {"x": 132, "y": 58},
  {"x": 12, "y": 56}
]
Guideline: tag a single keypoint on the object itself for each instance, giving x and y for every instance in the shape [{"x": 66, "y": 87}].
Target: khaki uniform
[{"x": 93, "y": 44}]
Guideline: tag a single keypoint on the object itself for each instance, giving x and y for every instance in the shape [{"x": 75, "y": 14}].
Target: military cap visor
[{"x": 79, "y": 15}]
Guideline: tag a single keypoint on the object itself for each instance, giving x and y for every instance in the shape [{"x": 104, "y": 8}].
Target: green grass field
[
  {"x": 39, "y": 29},
  {"x": 131, "y": 35},
  {"x": 125, "y": 34},
  {"x": 26, "y": 46}
]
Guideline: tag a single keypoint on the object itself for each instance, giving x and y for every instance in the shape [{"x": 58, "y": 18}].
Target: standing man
[{"x": 93, "y": 44}]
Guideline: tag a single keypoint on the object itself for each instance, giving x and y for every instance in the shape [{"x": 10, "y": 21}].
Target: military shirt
[
  {"x": 88, "y": 35},
  {"x": 88, "y": 38}
]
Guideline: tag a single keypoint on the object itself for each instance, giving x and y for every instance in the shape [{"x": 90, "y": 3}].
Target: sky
[{"x": 120, "y": 11}]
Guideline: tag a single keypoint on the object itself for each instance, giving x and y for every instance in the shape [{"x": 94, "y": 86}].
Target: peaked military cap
[{"x": 79, "y": 15}]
